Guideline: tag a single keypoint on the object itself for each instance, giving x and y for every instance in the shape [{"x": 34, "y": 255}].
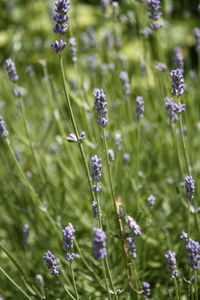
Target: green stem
[
  {"x": 75, "y": 127},
  {"x": 177, "y": 149},
  {"x": 106, "y": 283},
  {"x": 99, "y": 212},
  {"x": 110, "y": 277},
  {"x": 15, "y": 284},
  {"x": 69, "y": 294},
  {"x": 74, "y": 282},
  {"x": 196, "y": 285},
  {"x": 184, "y": 146},
  {"x": 188, "y": 220},
  {"x": 176, "y": 289},
  {"x": 138, "y": 147},
  {"x": 136, "y": 278}
]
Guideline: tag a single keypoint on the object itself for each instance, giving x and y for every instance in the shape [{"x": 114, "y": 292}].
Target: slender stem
[
  {"x": 74, "y": 282},
  {"x": 196, "y": 285},
  {"x": 75, "y": 127},
  {"x": 138, "y": 147},
  {"x": 176, "y": 289},
  {"x": 136, "y": 278},
  {"x": 15, "y": 284},
  {"x": 69, "y": 294},
  {"x": 98, "y": 210},
  {"x": 177, "y": 149},
  {"x": 188, "y": 220},
  {"x": 184, "y": 146},
  {"x": 110, "y": 277},
  {"x": 104, "y": 275}
]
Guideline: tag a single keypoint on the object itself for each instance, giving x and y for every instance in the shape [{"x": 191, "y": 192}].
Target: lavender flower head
[
  {"x": 196, "y": 33},
  {"x": 100, "y": 105},
  {"x": 139, "y": 107},
  {"x": 3, "y": 131},
  {"x": 95, "y": 210},
  {"x": 40, "y": 280},
  {"x": 146, "y": 31},
  {"x": 51, "y": 263},
  {"x": 171, "y": 264},
  {"x": 104, "y": 6},
  {"x": 118, "y": 140},
  {"x": 92, "y": 38},
  {"x": 146, "y": 289},
  {"x": 99, "y": 243},
  {"x": 62, "y": 8},
  {"x": 153, "y": 7},
  {"x": 72, "y": 49},
  {"x": 58, "y": 46},
  {"x": 133, "y": 226},
  {"x": 184, "y": 237},
  {"x": 177, "y": 82},
  {"x": 91, "y": 65},
  {"x": 96, "y": 167},
  {"x": 173, "y": 109},
  {"x": 126, "y": 158},
  {"x": 115, "y": 9},
  {"x": 151, "y": 202},
  {"x": 125, "y": 82},
  {"x": 131, "y": 247},
  {"x": 189, "y": 187},
  {"x": 178, "y": 60},
  {"x": 11, "y": 69},
  {"x": 193, "y": 254},
  {"x": 68, "y": 237}
]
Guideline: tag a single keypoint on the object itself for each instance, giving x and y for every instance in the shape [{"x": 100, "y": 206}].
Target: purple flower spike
[
  {"x": 118, "y": 140},
  {"x": 133, "y": 226},
  {"x": 68, "y": 237},
  {"x": 111, "y": 155},
  {"x": 173, "y": 109},
  {"x": 171, "y": 264},
  {"x": 189, "y": 187},
  {"x": 155, "y": 26},
  {"x": 146, "y": 289},
  {"x": 184, "y": 237},
  {"x": 151, "y": 202},
  {"x": 177, "y": 82},
  {"x": 161, "y": 67},
  {"x": 51, "y": 263},
  {"x": 60, "y": 29},
  {"x": 104, "y": 6},
  {"x": 96, "y": 167},
  {"x": 96, "y": 188},
  {"x": 100, "y": 104},
  {"x": 95, "y": 210},
  {"x": 153, "y": 8},
  {"x": 3, "y": 131},
  {"x": 193, "y": 254},
  {"x": 17, "y": 92},
  {"x": 131, "y": 247},
  {"x": 99, "y": 244},
  {"x": 178, "y": 60},
  {"x": 11, "y": 69},
  {"x": 146, "y": 31},
  {"x": 139, "y": 107},
  {"x": 58, "y": 47}
]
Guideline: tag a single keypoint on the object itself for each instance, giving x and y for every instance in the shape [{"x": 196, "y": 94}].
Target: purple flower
[
  {"x": 81, "y": 137},
  {"x": 133, "y": 226},
  {"x": 70, "y": 256},
  {"x": 100, "y": 105},
  {"x": 96, "y": 167},
  {"x": 3, "y": 131},
  {"x": 115, "y": 9},
  {"x": 155, "y": 26},
  {"x": 118, "y": 140},
  {"x": 146, "y": 289},
  {"x": 139, "y": 107},
  {"x": 51, "y": 263},
  {"x": 177, "y": 82},
  {"x": 11, "y": 69},
  {"x": 161, "y": 67},
  {"x": 184, "y": 237},
  {"x": 178, "y": 60},
  {"x": 196, "y": 33},
  {"x": 91, "y": 64},
  {"x": 126, "y": 158},
  {"x": 72, "y": 49},
  {"x": 125, "y": 82},
  {"x": 95, "y": 210},
  {"x": 25, "y": 230},
  {"x": 17, "y": 92},
  {"x": 68, "y": 237},
  {"x": 146, "y": 31},
  {"x": 173, "y": 109},
  {"x": 96, "y": 188},
  {"x": 58, "y": 47},
  {"x": 171, "y": 264},
  {"x": 72, "y": 138},
  {"x": 193, "y": 254},
  {"x": 189, "y": 187},
  {"x": 40, "y": 280},
  {"x": 153, "y": 6},
  {"x": 62, "y": 8},
  {"x": 99, "y": 243},
  {"x": 131, "y": 247},
  {"x": 108, "y": 40},
  {"x": 111, "y": 155},
  {"x": 151, "y": 202},
  {"x": 30, "y": 70}
]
